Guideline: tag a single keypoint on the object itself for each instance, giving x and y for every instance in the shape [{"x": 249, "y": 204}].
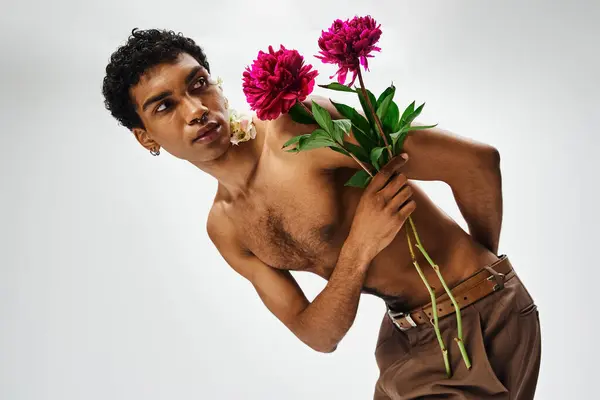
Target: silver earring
[{"x": 155, "y": 152}]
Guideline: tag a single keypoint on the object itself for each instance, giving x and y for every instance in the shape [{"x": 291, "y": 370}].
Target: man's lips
[{"x": 205, "y": 130}]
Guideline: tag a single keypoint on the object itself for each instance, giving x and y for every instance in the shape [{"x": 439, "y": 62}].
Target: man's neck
[{"x": 235, "y": 169}]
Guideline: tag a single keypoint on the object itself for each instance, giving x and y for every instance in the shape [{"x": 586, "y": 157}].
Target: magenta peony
[
  {"x": 276, "y": 81},
  {"x": 348, "y": 44}
]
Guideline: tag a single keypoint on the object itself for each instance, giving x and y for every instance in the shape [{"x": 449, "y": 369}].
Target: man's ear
[{"x": 144, "y": 139}]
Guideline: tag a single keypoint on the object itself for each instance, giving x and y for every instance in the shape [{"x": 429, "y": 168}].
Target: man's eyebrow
[
  {"x": 162, "y": 95},
  {"x": 192, "y": 73},
  {"x": 154, "y": 99}
]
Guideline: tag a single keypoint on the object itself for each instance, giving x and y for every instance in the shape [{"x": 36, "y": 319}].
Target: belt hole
[
  {"x": 465, "y": 298},
  {"x": 429, "y": 314},
  {"x": 420, "y": 317},
  {"x": 440, "y": 309}
]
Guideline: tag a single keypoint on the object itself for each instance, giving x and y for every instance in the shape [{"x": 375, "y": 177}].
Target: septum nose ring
[{"x": 203, "y": 119}]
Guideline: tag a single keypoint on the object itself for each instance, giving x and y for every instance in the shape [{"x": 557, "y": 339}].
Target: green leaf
[
  {"x": 400, "y": 143},
  {"x": 374, "y": 131},
  {"x": 337, "y": 86},
  {"x": 382, "y": 109},
  {"x": 420, "y": 128},
  {"x": 398, "y": 140},
  {"x": 341, "y": 127},
  {"x": 397, "y": 134},
  {"x": 390, "y": 90},
  {"x": 409, "y": 110},
  {"x": 340, "y": 150},
  {"x": 383, "y": 106},
  {"x": 376, "y": 155},
  {"x": 360, "y": 126},
  {"x": 372, "y": 98},
  {"x": 311, "y": 143},
  {"x": 414, "y": 114},
  {"x": 365, "y": 107},
  {"x": 390, "y": 120},
  {"x": 344, "y": 124},
  {"x": 337, "y": 134},
  {"x": 358, "y": 152},
  {"x": 354, "y": 116},
  {"x": 408, "y": 128},
  {"x": 301, "y": 115},
  {"x": 360, "y": 179},
  {"x": 292, "y": 141},
  {"x": 318, "y": 138},
  {"x": 322, "y": 117},
  {"x": 366, "y": 142},
  {"x": 321, "y": 134}
]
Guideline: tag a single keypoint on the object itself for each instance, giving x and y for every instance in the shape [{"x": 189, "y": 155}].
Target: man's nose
[{"x": 195, "y": 110}]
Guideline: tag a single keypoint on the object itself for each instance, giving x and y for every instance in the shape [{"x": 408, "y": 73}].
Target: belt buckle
[
  {"x": 499, "y": 278},
  {"x": 406, "y": 316}
]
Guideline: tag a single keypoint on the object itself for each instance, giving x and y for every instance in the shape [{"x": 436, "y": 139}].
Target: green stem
[
  {"x": 458, "y": 340},
  {"x": 309, "y": 111},
  {"x": 360, "y": 163},
  {"x": 373, "y": 112},
  {"x": 436, "y": 327}
]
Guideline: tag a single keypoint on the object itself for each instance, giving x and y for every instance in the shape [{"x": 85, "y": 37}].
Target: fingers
[
  {"x": 394, "y": 185},
  {"x": 406, "y": 210},
  {"x": 400, "y": 198},
  {"x": 384, "y": 175}
]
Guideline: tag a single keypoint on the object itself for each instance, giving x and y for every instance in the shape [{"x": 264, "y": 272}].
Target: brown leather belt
[{"x": 484, "y": 282}]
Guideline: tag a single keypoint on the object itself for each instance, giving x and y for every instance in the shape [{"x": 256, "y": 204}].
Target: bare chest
[{"x": 296, "y": 224}]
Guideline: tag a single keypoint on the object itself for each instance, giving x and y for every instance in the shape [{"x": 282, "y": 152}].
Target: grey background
[{"x": 109, "y": 286}]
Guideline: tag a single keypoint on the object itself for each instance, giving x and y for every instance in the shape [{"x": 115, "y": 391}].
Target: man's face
[{"x": 183, "y": 111}]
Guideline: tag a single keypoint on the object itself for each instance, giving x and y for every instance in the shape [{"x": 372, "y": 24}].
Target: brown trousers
[{"x": 502, "y": 337}]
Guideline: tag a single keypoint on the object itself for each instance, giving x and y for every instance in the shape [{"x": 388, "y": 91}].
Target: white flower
[
  {"x": 218, "y": 81},
  {"x": 241, "y": 126}
]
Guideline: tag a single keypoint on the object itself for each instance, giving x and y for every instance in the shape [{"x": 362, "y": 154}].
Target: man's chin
[{"x": 212, "y": 154}]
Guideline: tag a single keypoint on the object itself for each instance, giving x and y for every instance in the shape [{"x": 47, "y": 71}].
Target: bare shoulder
[
  {"x": 223, "y": 235},
  {"x": 284, "y": 128},
  {"x": 220, "y": 228}
]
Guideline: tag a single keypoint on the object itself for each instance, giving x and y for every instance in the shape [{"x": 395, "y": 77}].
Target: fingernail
[{"x": 404, "y": 156}]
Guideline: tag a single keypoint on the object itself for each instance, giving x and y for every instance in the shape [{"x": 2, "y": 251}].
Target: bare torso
[{"x": 295, "y": 219}]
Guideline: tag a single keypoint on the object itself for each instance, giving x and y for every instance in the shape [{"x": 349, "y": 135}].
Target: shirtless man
[{"x": 276, "y": 212}]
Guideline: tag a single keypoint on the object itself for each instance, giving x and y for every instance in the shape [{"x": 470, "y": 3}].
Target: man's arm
[
  {"x": 320, "y": 324},
  {"x": 470, "y": 168}
]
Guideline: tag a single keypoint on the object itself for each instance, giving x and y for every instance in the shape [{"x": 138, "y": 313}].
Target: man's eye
[
  {"x": 159, "y": 109},
  {"x": 199, "y": 83}
]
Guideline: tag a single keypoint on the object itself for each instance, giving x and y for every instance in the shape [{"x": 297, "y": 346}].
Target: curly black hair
[{"x": 143, "y": 50}]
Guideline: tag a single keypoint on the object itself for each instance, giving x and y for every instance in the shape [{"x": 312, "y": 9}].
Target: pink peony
[
  {"x": 276, "y": 81},
  {"x": 348, "y": 44}
]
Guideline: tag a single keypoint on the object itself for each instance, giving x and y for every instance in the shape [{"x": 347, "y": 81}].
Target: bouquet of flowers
[{"x": 279, "y": 81}]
